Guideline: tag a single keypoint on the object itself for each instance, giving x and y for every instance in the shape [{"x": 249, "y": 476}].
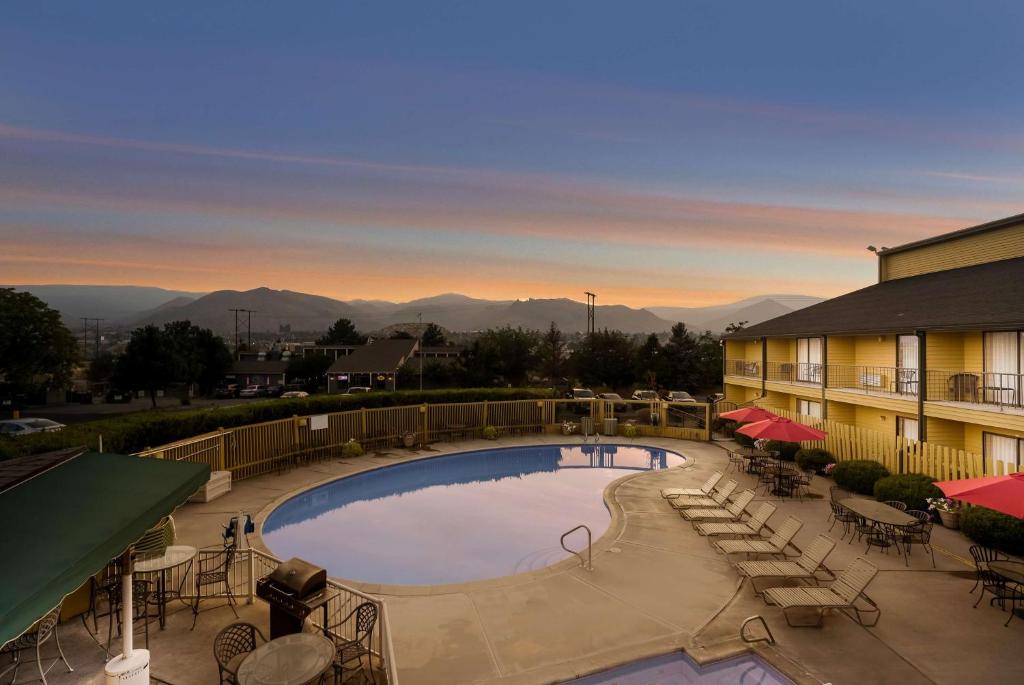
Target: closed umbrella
[
  {"x": 1001, "y": 493},
  {"x": 748, "y": 414},
  {"x": 781, "y": 429}
]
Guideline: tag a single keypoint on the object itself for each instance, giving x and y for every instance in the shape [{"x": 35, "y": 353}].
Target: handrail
[
  {"x": 589, "y": 564},
  {"x": 750, "y": 640}
]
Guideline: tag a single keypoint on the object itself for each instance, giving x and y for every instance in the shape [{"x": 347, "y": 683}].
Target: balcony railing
[
  {"x": 875, "y": 380},
  {"x": 976, "y": 387},
  {"x": 794, "y": 372},
  {"x": 742, "y": 367}
]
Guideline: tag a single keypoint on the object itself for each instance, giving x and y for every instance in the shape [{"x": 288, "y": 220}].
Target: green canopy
[{"x": 63, "y": 525}]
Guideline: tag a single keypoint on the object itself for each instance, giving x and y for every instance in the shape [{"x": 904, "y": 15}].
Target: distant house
[
  {"x": 443, "y": 352},
  {"x": 257, "y": 372},
  {"x": 332, "y": 351},
  {"x": 373, "y": 366}
]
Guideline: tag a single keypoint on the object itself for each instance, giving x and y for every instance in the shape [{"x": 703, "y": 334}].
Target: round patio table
[
  {"x": 175, "y": 555},
  {"x": 289, "y": 660},
  {"x": 1012, "y": 571}
]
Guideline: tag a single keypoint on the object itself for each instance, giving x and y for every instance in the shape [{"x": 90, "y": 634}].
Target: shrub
[
  {"x": 741, "y": 439},
  {"x": 787, "y": 450},
  {"x": 352, "y": 449},
  {"x": 726, "y": 427},
  {"x": 489, "y": 433},
  {"x": 993, "y": 529},
  {"x": 859, "y": 475},
  {"x": 630, "y": 430},
  {"x": 913, "y": 489},
  {"x": 814, "y": 458}
]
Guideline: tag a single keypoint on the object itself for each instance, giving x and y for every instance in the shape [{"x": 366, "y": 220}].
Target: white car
[
  {"x": 253, "y": 391},
  {"x": 645, "y": 395},
  {"x": 26, "y": 426},
  {"x": 294, "y": 395},
  {"x": 679, "y": 396}
]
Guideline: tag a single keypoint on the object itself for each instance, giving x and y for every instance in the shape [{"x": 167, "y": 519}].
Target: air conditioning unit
[{"x": 131, "y": 671}]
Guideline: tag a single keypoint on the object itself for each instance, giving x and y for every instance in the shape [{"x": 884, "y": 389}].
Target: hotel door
[{"x": 907, "y": 348}]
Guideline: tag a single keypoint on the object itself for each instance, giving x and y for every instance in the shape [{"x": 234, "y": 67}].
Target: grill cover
[{"x": 299, "y": 578}]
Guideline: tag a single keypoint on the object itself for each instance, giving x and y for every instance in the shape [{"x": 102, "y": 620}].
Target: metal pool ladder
[
  {"x": 588, "y": 564},
  {"x": 770, "y": 639}
]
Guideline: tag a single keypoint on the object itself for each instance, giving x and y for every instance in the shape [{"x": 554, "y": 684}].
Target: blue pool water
[
  {"x": 679, "y": 669},
  {"x": 456, "y": 518}
]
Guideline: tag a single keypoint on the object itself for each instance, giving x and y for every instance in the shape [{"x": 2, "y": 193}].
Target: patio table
[
  {"x": 752, "y": 455},
  {"x": 878, "y": 512},
  {"x": 288, "y": 660},
  {"x": 174, "y": 556},
  {"x": 1012, "y": 571}
]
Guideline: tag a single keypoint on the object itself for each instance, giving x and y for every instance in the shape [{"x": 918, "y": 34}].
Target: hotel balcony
[
  {"x": 881, "y": 381},
  {"x": 794, "y": 373},
  {"x": 742, "y": 368},
  {"x": 976, "y": 390}
]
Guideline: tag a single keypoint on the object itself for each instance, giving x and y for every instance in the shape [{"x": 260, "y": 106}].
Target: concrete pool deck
[{"x": 656, "y": 586}]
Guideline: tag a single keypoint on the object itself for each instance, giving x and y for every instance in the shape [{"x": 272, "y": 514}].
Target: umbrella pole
[{"x": 127, "y": 613}]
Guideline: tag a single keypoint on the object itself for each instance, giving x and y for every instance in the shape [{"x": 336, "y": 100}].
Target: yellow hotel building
[{"x": 934, "y": 351}]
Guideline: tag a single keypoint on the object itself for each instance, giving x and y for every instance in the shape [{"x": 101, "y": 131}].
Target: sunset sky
[{"x": 658, "y": 153}]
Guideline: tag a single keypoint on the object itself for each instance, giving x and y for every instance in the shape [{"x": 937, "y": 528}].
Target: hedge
[
  {"x": 128, "y": 433},
  {"x": 859, "y": 475},
  {"x": 913, "y": 489},
  {"x": 814, "y": 458},
  {"x": 787, "y": 450},
  {"x": 741, "y": 439},
  {"x": 993, "y": 529},
  {"x": 726, "y": 427}
]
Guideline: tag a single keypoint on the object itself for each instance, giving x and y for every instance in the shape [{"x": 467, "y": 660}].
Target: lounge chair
[
  {"x": 841, "y": 594},
  {"x": 703, "y": 491},
  {"x": 805, "y": 567},
  {"x": 732, "y": 511},
  {"x": 751, "y": 528},
  {"x": 717, "y": 498},
  {"x": 776, "y": 544}
]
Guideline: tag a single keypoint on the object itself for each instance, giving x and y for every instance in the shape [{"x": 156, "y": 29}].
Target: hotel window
[
  {"x": 1001, "y": 453},
  {"x": 1002, "y": 382},
  {"x": 808, "y": 408},
  {"x": 906, "y": 362},
  {"x": 808, "y": 360},
  {"x": 908, "y": 428}
]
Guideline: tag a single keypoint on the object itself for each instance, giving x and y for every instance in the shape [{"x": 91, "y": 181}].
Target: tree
[
  {"x": 649, "y": 360},
  {"x": 35, "y": 345},
  {"x": 503, "y": 356},
  {"x": 342, "y": 332},
  {"x": 203, "y": 357},
  {"x": 680, "y": 366},
  {"x": 310, "y": 368},
  {"x": 149, "y": 362},
  {"x": 552, "y": 354},
  {"x": 736, "y": 326},
  {"x": 709, "y": 361},
  {"x": 101, "y": 368},
  {"x": 401, "y": 335},
  {"x": 606, "y": 358},
  {"x": 433, "y": 336}
]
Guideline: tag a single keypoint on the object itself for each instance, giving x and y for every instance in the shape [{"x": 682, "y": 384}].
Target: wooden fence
[
  {"x": 899, "y": 455},
  {"x": 256, "y": 449}
]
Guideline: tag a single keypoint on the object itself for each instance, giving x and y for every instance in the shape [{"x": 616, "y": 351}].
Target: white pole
[
  {"x": 101, "y": 442},
  {"x": 126, "y": 606}
]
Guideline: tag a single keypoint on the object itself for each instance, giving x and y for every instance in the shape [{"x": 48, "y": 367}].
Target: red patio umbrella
[
  {"x": 1002, "y": 493},
  {"x": 782, "y": 429},
  {"x": 748, "y": 414}
]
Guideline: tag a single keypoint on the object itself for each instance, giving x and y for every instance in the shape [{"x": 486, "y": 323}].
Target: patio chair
[
  {"x": 355, "y": 654},
  {"x": 717, "y": 498},
  {"x": 231, "y": 646},
  {"x": 214, "y": 566},
  {"x": 1002, "y": 591},
  {"x": 805, "y": 567},
  {"x": 842, "y": 594},
  {"x": 101, "y": 586},
  {"x": 703, "y": 491},
  {"x": 33, "y": 640},
  {"x": 155, "y": 541},
  {"x": 142, "y": 591},
  {"x": 736, "y": 461},
  {"x": 732, "y": 511},
  {"x": 839, "y": 513},
  {"x": 751, "y": 528},
  {"x": 802, "y": 483},
  {"x": 982, "y": 555},
  {"x": 919, "y": 533},
  {"x": 776, "y": 544},
  {"x": 896, "y": 504}
]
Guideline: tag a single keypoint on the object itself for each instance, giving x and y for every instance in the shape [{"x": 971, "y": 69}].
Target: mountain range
[{"x": 129, "y": 306}]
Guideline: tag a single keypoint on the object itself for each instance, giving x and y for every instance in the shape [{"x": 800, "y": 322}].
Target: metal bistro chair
[
  {"x": 141, "y": 591},
  {"x": 354, "y": 655},
  {"x": 231, "y": 646},
  {"x": 895, "y": 504},
  {"x": 840, "y": 514},
  {"x": 101, "y": 587},
  {"x": 736, "y": 461},
  {"x": 34, "y": 639},
  {"x": 919, "y": 533},
  {"x": 213, "y": 572},
  {"x": 982, "y": 555},
  {"x": 1002, "y": 591}
]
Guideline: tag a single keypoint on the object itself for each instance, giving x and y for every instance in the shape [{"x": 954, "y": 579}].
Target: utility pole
[
  {"x": 419, "y": 329},
  {"x": 591, "y": 302},
  {"x": 98, "y": 337},
  {"x": 85, "y": 336},
  {"x": 248, "y": 330}
]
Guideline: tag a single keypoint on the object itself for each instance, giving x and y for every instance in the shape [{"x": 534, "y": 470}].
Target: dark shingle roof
[
  {"x": 382, "y": 355},
  {"x": 986, "y": 296}
]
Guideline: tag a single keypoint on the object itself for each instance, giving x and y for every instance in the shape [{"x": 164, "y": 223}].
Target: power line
[
  {"x": 591, "y": 303},
  {"x": 236, "y": 313},
  {"x": 85, "y": 336}
]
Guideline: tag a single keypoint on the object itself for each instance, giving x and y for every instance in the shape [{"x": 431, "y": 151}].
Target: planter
[
  {"x": 409, "y": 439},
  {"x": 950, "y": 519}
]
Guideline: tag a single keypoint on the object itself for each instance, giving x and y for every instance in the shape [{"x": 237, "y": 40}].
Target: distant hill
[
  {"x": 753, "y": 310},
  {"x": 115, "y": 303}
]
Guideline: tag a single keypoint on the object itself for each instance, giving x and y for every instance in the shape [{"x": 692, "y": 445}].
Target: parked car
[
  {"x": 615, "y": 398},
  {"x": 294, "y": 395},
  {"x": 275, "y": 390},
  {"x": 580, "y": 394},
  {"x": 645, "y": 395},
  {"x": 253, "y": 391},
  {"x": 356, "y": 389},
  {"x": 226, "y": 392},
  {"x": 26, "y": 426},
  {"x": 118, "y": 396},
  {"x": 679, "y": 396}
]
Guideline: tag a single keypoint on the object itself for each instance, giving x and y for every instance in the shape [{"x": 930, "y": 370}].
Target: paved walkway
[{"x": 656, "y": 586}]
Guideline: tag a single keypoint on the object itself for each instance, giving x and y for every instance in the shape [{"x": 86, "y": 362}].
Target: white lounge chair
[
  {"x": 717, "y": 499},
  {"x": 841, "y": 594},
  {"x": 776, "y": 544},
  {"x": 751, "y": 528},
  {"x": 703, "y": 491},
  {"x": 732, "y": 511},
  {"x": 805, "y": 567}
]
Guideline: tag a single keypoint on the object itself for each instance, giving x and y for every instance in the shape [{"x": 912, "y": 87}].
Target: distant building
[
  {"x": 332, "y": 351},
  {"x": 443, "y": 352},
  {"x": 372, "y": 366},
  {"x": 258, "y": 372}
]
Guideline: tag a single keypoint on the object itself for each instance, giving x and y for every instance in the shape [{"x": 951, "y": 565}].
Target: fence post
[
  {"x": 707, "y": 421},
  {"x": 220, "y": 449},
  {"x": 252, "y": 576},
  {"x": 424, "y": 410},
  {"x": 296, "y": 447},
  {"x": 662, "y": 417},
  {"x": 362, "y": 430},
  {"x": 485, "y": 413}
]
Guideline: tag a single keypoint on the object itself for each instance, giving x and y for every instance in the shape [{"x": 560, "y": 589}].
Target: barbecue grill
[{"x": 294, "y": 590}]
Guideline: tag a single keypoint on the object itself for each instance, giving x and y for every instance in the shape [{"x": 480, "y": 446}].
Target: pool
[
  {"x": 456, "y": 518},
  {"x": 679, "y": 669}
]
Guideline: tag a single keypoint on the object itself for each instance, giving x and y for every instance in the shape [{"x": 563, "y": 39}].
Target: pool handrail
[{"x": 589, "y": 562}]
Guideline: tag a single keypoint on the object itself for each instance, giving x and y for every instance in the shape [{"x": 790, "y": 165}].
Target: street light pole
[{"x": 419, "y": 329}]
